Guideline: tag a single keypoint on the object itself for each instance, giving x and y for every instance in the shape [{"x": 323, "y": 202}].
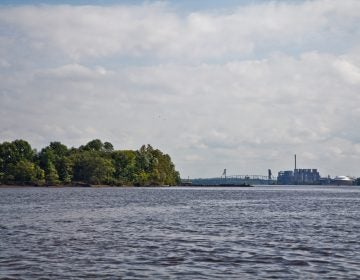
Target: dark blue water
[{"x": 180, "y": 233}]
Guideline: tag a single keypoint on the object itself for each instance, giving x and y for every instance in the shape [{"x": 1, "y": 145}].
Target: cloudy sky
[{"x": 242, "y": 85}]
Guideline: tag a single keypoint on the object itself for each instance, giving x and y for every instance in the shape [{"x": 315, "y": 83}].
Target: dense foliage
[{"x": 95, "y": 163}]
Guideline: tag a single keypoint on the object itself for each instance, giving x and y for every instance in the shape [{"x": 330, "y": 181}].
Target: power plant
[{"x": 299, "y": 176}]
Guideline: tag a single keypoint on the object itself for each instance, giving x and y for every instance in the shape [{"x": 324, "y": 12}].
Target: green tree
[
  {"x": 11, "y": 153},
  {"x": 124, "y": 164},
  {"x": 46, "y": 159},
  {"x": 54, "y": 161},
  {"x": 23, "y": 150},
  {"x": 52, "y": 176},
  {"x": 94, "y": 145},
  {"x": 165, "y": 169},
  {"x": 94, "y": 163},
  {"x": 26, "y": 172},
  {"x": 141, "y": 179},
  {"x": 145, "y": 159},
  {"x": 60, "y": 150},
  {"x": 108, "y": 147},
  {"x": 91, "y": 168},
  {"x": 158, "y": 167},
  {"x": 64, "y": 168}
]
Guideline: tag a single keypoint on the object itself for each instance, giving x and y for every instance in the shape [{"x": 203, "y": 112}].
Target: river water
[{"x": 286, "y": 232}]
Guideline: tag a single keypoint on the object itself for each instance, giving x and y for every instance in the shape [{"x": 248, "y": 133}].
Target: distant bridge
[{"x": 233, "y": 179}]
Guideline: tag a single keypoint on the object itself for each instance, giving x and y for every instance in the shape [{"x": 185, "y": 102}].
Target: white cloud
[
  {"x": 93, "y": 31},
  {"x": 242, "y": 89},
  {"x": 72, "y": 72},
  {"x": 349, "y": 71}
]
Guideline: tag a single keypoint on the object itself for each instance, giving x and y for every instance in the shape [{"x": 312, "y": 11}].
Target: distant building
[
  {"x": 325, "y": 180},
  {"x": 342, "y": 180},
  {"x": 285, "y": 177},
  {"x": 306, "y": 176},
  {"x": 299, "y": 177}
]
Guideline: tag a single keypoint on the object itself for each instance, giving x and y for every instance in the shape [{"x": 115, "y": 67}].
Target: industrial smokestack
[{"x": 295, "y": 161}]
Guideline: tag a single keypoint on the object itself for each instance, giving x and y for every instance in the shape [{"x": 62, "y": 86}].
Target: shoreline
[
  {"x": 108, "y": 186},
  {"x": 80, "y": 186}
]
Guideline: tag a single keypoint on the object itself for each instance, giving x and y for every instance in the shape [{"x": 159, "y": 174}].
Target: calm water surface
[{"x": 180, "y": 233}]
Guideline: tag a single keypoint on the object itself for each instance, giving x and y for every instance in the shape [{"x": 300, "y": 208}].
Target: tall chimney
[{"x": 295, "y": 161}]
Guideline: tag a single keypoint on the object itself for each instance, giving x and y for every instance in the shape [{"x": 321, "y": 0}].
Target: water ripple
[{"x": 161, "y": 233}]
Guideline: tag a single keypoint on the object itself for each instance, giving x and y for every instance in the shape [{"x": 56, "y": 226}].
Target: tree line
[{"x": 95, "y": 163}]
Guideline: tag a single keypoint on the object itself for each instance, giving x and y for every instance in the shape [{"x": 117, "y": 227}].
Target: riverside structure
[
  {"x": 232, "y": 180},
  {"x": 299, "y": 176}
]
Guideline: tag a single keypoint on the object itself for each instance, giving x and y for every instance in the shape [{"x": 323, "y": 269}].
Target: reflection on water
[{"x": 263, "y": 232}]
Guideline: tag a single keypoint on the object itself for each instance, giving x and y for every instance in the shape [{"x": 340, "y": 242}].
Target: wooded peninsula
[{"x": 95, "y": 163}]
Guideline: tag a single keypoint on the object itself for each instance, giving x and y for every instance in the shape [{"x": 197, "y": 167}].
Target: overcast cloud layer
[{"x": 242, "y": 88}]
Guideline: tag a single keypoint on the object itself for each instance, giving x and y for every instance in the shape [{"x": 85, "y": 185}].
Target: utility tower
[{"x": 224, "y": 173}]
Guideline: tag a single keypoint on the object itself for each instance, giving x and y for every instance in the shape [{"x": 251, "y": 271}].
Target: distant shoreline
[
  {"x": 155, "y": 186},
  {"x": 79, "y": 186},
  {"x": 128, "y": 186}
]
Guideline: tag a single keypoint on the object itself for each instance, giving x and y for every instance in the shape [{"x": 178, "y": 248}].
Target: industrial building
[
  {"x": 343, "y": 181},
  {"x": 299, "y": 176}
]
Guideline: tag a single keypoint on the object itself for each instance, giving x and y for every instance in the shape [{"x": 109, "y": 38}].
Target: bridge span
[{"x": 232, "y": 179}]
